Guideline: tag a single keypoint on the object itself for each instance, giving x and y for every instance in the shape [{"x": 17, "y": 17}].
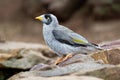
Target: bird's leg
[
  {"x": 67, "y": 57},
  {"x": 59, "y": 60}
]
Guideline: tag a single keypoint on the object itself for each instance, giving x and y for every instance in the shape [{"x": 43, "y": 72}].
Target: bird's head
[{"x": 47, "y": 19}]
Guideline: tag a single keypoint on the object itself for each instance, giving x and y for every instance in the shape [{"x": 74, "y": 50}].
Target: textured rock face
[
  {"x": 16, "y": 57},
  {"x": 87, "y": 65},
  {"x": 61, "y": 78},
  {"x": 23, "y": 55}
]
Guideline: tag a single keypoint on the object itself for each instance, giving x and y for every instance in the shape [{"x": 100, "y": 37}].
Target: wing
[{"x": 66, "y": 36}]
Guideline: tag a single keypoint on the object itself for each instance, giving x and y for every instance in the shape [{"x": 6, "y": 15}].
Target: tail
[{"x": 97, "y": 46}]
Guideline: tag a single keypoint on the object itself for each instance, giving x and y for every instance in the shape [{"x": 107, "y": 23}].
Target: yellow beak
[{"x": 39, "y": 18}]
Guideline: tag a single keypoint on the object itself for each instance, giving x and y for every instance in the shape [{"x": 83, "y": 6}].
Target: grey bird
[{"x": 62, "y": 40}]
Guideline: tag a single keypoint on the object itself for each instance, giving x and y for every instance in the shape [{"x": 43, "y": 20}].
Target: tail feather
[{"x": 97, "y": 46}]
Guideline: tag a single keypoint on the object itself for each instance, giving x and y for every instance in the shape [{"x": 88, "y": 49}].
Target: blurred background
[{"x": 97, "y": 20}]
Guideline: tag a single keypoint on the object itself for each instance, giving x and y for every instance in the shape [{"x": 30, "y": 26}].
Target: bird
[{"x": 62, "y": 40}]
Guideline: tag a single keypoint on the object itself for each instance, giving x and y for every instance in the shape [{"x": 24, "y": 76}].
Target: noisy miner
[{"x": 63, "y": 41}]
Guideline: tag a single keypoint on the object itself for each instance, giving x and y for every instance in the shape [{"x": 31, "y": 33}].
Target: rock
[
  {"x": 107, "y": 73},
  {"x": 77, "y": 58},
  {"x": 59, "y": 78},
  {"x": 82, "y": 68},
  {"x": 18, "y": 56},
  {"x": 112, "y": 73},
  {"x": 24, "y": 60},
  {"x": 108, "y": 56},
  {"x": 93, "y": 64},
  {"x": 22, "y": 55},
  {"x": 40, "y": 66},
  {"x": 111, "y": 44}
]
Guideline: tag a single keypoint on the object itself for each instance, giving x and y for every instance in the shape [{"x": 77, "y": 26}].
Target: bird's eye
[{"x": 47, "y": 17}]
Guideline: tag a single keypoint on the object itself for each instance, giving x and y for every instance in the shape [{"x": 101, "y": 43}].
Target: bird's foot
[
  {"x": 67, "y": 57},
  {"x": 62, "y": 59},
  {"x": 59, "y": 60}
]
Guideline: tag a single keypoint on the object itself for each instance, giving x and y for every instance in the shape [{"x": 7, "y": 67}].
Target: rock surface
[
  {"x": 99, "y": 64},
  {"x": 60, "y": 78},
  {"x": 112, "y": 73},
  {"x": 19, "y": 56},
  {"x": 22, "y": 55}
]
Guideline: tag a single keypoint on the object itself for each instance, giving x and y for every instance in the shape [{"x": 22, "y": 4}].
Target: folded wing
[{"x": 69, "y": 37}]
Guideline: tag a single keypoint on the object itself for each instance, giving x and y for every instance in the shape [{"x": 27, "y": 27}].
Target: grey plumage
[
  {"x": 63, "y": 40},
  {"x": 66, "y": 36}
]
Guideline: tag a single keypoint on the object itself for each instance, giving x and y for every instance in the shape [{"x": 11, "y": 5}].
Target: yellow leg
[
  {"x": 59, "y": 60},
  {"x": 67, "y": 57}
]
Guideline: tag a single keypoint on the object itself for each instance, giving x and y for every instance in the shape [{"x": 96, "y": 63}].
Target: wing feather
[{"x": 69, "y": 37}]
